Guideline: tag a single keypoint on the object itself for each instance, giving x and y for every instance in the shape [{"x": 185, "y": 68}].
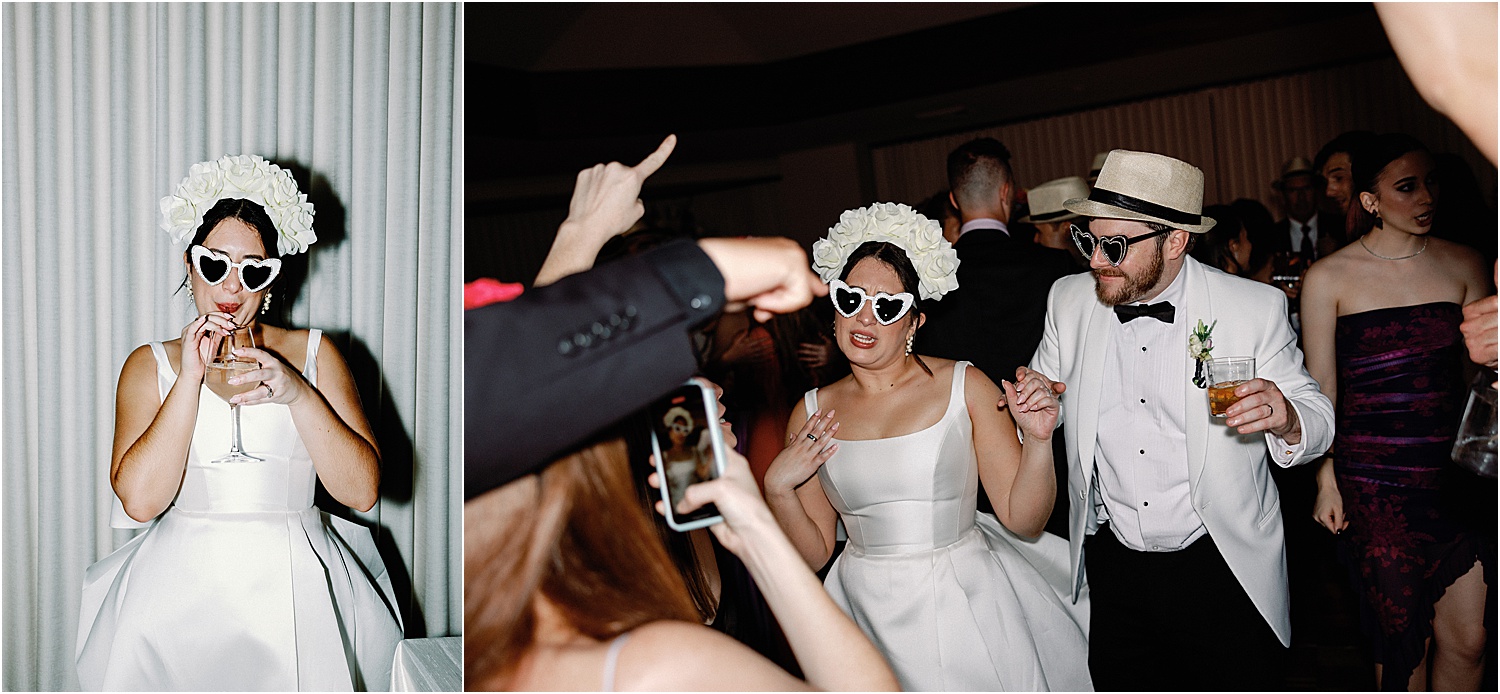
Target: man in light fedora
[
  {"x": 1305, "y": 231},
  {"x": 1052, "y": 220},
  {"x": 1174, "y": 518}
]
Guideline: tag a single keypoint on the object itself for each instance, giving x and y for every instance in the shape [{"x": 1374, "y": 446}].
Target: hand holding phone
[{"x": 688, "y": 447}]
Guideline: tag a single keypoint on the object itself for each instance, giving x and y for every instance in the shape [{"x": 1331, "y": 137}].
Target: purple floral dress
[{"x": 1401, "y": 396}]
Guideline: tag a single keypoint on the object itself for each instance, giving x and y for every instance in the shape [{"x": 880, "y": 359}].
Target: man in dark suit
[
  {"x": 994, "y": 319},
  {"x": 1305, "y": 231}
]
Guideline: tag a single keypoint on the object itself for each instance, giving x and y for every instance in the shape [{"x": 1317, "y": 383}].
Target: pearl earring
[
  {"x": 265, "y": 305},
  {"x": 909, "y": 340}
]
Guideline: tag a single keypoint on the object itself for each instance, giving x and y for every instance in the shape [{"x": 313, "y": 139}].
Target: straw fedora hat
[
  {"x": 1296, "y": 166},
  {"x": 1047, "y": 200},
  {"x": 1146, "y": 187}
]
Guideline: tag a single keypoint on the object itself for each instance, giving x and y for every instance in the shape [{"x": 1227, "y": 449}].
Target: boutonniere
[{"x": 1200, "y": 348}]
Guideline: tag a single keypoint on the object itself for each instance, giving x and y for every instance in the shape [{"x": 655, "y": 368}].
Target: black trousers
[{"x": 1175, "y": 621}]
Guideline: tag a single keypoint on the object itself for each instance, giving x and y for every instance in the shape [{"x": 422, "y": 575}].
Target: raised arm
[
  {"x": 1019, "y": 478},
  {"x": 152, "y": 435},
  {"x": 793, "y": 491}
]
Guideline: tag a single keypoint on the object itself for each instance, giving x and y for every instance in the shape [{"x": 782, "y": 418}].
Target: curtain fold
[{"x": 105, "y": 106}]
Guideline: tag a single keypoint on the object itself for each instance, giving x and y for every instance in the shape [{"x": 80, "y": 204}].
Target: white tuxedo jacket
[{"x": 1231, "y": 483}]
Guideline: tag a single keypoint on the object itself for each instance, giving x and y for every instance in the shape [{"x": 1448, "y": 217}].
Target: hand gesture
[
  {"x": 1328, "y": 509},
  {"x": 1033, "y": 402},
  {"x": 199, "y": 340},
  {"x": 278, "y": 383},
  {"x": 771, "y": 274},
  {"x": 606, "y": 199},
  {"x": 1479, "y": 331},
  {"x": 813, "y": 355},
  {"x": 1263, "y": 407},
  {"x": 736, "y": 497},
  {"x": 805, "y": 452}
]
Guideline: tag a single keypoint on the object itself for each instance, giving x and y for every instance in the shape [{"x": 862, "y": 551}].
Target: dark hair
[
  {"x": 976, "y": 167},
  {"x": 937, "y": 207},
  {"x": 248, "y": 212},
  {"x": 1345, "y": 142},
  {"x": 1260, "y": 229},
  {"x": 1213, "y": 245},
  {"x": 894, "y": 256},
  {"x": 1365, "y": 166}
]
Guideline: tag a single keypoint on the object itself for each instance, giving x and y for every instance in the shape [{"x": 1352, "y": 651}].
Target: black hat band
[{"x": 1109, "y": 197}]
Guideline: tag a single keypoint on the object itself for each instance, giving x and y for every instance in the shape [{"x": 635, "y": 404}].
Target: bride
[
  {"x": 956, "y": 600},
  {"x": 238, "y": 582}
]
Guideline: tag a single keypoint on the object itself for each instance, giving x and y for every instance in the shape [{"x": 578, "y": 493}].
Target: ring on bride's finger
[
  {"x": 269, "y": 393},
  {"x": 814, "y": 438}
]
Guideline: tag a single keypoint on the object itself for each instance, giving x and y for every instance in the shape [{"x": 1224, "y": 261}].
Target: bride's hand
[
  {"x": 278, "y": 383},
  {"x": 807, "y": 450},
  {"x": 1033, "y": 402},
  {"x": 199, "y": 339}
]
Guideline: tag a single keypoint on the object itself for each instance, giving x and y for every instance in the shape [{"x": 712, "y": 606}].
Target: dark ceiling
[{"x": 553, "y": 88}]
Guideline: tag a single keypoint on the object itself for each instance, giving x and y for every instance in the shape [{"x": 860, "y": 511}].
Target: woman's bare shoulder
[{"x": 672, "y": 655}]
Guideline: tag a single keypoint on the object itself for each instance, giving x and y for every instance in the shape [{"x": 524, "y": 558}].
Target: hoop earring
[
  {"x": 265, "y": 305},
  {"x": 909, "y": 340}
]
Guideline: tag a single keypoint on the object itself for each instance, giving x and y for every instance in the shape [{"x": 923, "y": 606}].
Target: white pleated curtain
[{"x": 105, "y": 107}]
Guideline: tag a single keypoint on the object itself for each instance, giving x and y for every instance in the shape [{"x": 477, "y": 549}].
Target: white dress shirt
[
  {"x": 1141, "y": 452},
  {"x": 982, "y": 223},
  {"x": 1294, "y": 230}
]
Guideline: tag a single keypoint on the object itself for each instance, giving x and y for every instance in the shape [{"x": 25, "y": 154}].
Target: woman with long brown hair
[{"x": 567, "y": 587}]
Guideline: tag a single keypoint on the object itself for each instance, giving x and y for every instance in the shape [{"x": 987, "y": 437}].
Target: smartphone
[{"x": 689, "y": 448}]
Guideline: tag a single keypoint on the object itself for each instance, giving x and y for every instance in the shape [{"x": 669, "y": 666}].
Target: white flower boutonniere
[{"x": 1200, "y": 348}]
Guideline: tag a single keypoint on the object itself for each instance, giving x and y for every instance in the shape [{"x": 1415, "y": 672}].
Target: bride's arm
[
  {"x": 337, "y": 435},
  {"x": 1020, "y": 479},
  {"x": 793, "y": 492},
  {"x": 152, "y": 435}
]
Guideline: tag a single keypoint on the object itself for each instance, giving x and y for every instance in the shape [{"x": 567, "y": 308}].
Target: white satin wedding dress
[
  {"x": 954, "y": 600},
  {"x": 241, "y": 584}
]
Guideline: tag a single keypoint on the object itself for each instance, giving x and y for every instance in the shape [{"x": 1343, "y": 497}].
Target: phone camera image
[{"x": 687, "y": 443}]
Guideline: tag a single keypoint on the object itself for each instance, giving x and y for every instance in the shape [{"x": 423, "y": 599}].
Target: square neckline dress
[
  {"x": 241, "y": 584},
  {"x": 954, "y": 600}
]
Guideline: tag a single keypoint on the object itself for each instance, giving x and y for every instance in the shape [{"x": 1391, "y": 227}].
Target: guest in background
[
  {"x": 1096, "y": 166},
  {"x": 1332, "y": 163},
  {"x": 1383, "y": 342},
  {"x": 994, "y": 318},
  {"x": 940, "y": 209},
  {"x": 1227, "y": 245},
  {"x": 1053, "y": 222},
  {"x": 1304, "y": 232}
]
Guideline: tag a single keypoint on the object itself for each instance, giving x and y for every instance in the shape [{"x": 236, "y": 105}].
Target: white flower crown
[
  {"x": 246, "y": 177},
  {"x": 933, "y": 257}
]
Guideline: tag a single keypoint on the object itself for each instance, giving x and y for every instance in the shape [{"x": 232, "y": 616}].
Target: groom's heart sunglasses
[
  {"x": 889, "y": 308},
  {"x": 1114, "y": 248},
  {"x": 214, "y": 266}
]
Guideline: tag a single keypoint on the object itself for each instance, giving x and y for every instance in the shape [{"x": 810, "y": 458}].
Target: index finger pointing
[{"x": 653, "y": 161}]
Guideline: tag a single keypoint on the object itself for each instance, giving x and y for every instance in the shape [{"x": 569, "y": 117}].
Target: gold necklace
[{"x": 1425, "y": 239}]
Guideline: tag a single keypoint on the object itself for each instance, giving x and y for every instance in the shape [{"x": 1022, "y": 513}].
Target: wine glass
[{"x": 226, "y": 364}]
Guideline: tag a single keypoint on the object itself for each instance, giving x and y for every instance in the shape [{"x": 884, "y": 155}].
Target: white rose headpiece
[
  {"x": 247, "y": 177},
  {"x": 931, "y": 255}
]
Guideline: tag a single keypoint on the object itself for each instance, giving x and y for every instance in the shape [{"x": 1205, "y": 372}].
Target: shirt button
[
  {"x": 1143, "y": 451},
  {"x": 1145, "y": 503},
  {"x": 1143, "y": 401},
  {"x": 1143, "y": 349},
  {"x": 1155, "y": 547}
]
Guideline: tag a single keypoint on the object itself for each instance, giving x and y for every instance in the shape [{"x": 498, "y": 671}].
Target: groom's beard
[{"x": 1135, "y": 286}]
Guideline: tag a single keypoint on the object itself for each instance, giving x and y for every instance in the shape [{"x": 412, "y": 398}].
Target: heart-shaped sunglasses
[
  {"x": 214, "y": 266},
  {"x": 889, "y": 308},
  {"x": 1114, "y": 248}
]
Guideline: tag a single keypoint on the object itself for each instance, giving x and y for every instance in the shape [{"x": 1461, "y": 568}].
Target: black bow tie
[{"x": 1163, "y": 311}]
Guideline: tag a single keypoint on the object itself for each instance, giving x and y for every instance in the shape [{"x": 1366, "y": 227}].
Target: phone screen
[{"x": 686, "y": 437}]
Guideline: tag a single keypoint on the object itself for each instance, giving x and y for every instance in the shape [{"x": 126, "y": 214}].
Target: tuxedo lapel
[
  {"x": 1197, "y": 304},
  {"x": 1095, "y": 342}
]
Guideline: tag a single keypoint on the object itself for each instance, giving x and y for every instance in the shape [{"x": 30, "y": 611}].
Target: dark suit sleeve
[{"x": 560, "y": 362}]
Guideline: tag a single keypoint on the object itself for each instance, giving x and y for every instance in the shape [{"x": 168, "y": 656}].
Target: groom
[{"x": 1174, "y": 515}]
